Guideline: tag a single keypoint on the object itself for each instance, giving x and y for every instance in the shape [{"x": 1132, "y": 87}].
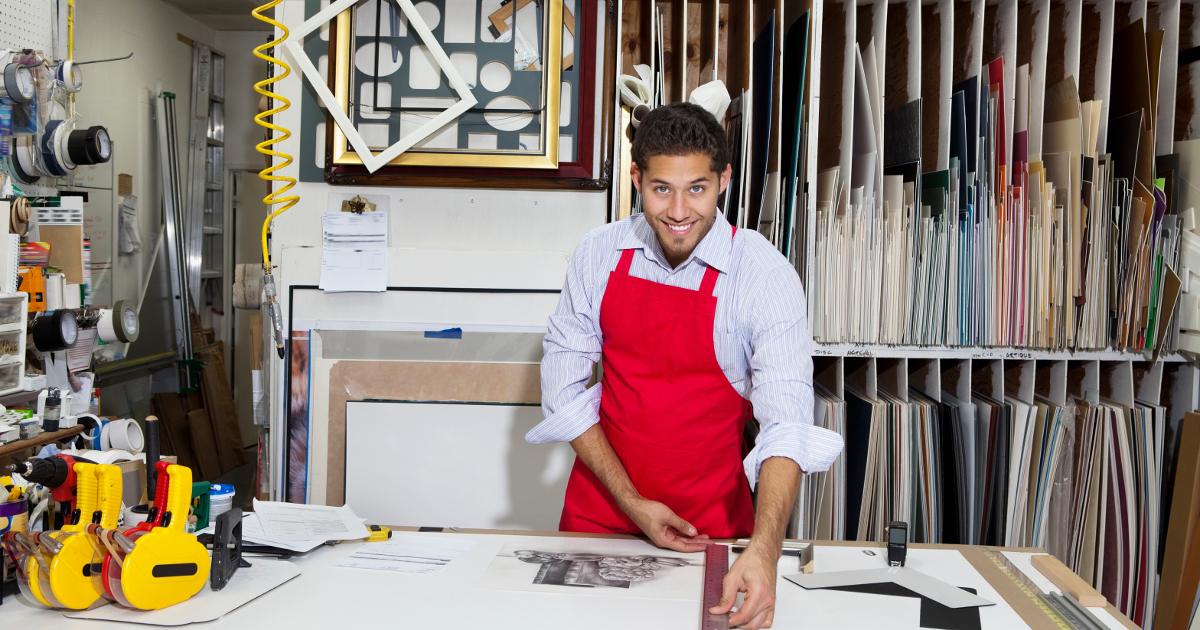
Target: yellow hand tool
[
  {"x": 13, "y": 490},
  {"x": 379, "y": 533},
  {"x": 73, "y": 550},
  {"x": 28, "y": 558},
  {"x": 167, "y": 565}
]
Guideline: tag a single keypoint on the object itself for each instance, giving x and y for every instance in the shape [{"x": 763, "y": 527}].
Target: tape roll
[
  {"x": 70, "y": 75},
  {"x": 18, "y": 216},
  {"x": 19, "y": 85},
  {"x": 89, "y": 146},
  {"x": 49, "y": 146},
  {"x": 99, "y": 144},
  {"x": 25, "y": 166},
  {"x": 120, "y": 324},
  {"x": 126, "y": 435},
  {"x": 55, "y": 332}
]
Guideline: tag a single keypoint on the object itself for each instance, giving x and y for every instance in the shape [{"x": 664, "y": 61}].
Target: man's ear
[
  {"x": 726, "y": 175},
  {"x": 636, "y": 176}
]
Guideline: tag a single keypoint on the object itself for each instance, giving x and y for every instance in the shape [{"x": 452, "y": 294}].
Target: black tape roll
[
  {"x": 99, "y": 146},
  {"x": 48, "y": 331},
  {"x": 78, "y": 149}
]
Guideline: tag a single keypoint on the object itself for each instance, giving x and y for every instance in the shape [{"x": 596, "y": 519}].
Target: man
[{"x": 701, "y": 328}]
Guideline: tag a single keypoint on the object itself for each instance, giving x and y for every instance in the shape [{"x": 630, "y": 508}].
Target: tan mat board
[
  {"x": 1024, "y": 607},
  {"x": 417, "y": 380}
]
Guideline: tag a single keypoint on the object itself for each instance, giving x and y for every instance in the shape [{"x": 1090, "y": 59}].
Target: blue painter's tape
[{"x": 449, "y": 333}]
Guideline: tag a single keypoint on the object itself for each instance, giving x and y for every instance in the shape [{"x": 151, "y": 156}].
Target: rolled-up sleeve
[
  {"x": 782, "y": 371},
  {"x": 570, "y": 349}
]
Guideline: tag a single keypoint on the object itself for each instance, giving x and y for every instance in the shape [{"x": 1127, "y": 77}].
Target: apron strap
[
  {"x": 711, "y": 274},
  {"x": 626, "y": 261}
]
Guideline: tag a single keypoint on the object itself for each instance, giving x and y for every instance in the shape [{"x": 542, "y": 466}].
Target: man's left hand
[{"x": 753, "y": 573}]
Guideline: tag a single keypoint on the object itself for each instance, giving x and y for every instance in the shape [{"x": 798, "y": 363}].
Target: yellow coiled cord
[{"x": 264, "y": 147}]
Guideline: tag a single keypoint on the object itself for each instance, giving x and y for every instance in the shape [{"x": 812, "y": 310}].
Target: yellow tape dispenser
[
  {"x": 72, "y": 551},
  {"x": 166, "y": 565}
]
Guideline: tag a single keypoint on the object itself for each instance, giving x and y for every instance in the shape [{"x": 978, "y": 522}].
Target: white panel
[
  {"x": 452, "y": 465},
  {"x": 27, "y": 24}
]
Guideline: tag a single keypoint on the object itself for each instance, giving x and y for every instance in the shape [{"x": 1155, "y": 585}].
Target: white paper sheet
[
  {"x": 354, "y": 254},
  {"x": 253, "y": 534},
  {"x": 291, "y": 521},
  {"x": 915, "y": 581},
  {"x": 597, "y": 568},
  {"x": 246, "y": 585},
  {"x": 407, "y": 554}
]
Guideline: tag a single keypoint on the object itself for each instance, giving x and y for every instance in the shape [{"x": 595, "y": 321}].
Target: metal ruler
[
  {"x": 716, "y": 565},
  {"x": 1062, "y": 610}
]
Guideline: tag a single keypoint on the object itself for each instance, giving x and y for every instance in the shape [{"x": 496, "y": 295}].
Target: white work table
[{"x": 327, "y": 596}]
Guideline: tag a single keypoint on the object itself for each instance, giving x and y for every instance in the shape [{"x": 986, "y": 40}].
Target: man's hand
[
  {"x": 753, "y": 573},
  {"x": 664, "y": 528}
]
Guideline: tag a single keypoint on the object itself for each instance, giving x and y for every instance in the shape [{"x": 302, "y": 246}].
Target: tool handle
[
  {"x": 152, "y": 437},
  {"x": 86, "y": 488},
  {"x": 108, "y": 495},
  {"x": 164, "y": 482},
  {"x": 179, "y": 496}
]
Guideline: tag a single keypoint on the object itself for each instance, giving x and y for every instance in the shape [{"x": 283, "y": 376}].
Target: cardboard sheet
[{"x": 246, "y": 585}]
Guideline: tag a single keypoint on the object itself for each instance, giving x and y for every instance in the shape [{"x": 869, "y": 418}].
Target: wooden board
[
  {"x": 172, "y": 412},
  {"x": 206, "y": 450}
]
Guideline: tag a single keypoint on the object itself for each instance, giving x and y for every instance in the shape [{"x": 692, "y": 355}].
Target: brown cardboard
[
  {"x": 256, "y": 342},
  {"x": 133, "y": 482},
  {"x": 124, "y": 185},
  {"x": 1185, "y": 501},
  {"x": 417, "y": 380},
  {"x": 66, "y": 249}
]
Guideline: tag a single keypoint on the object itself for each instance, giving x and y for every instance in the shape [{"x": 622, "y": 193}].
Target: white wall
[
  {"x": 441, "y": 219},
  {"x": 118, "y": 96},
  {"x": 242, "y": 71}
]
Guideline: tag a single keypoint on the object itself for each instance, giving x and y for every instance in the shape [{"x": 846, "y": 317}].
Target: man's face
[{"x": 679, "y": 198}]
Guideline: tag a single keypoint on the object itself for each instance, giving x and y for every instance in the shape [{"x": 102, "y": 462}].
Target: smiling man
[{"x": 701, "y": 328}]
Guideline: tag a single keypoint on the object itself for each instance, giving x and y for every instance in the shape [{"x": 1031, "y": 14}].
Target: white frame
[{"x": 372, "y": 161}]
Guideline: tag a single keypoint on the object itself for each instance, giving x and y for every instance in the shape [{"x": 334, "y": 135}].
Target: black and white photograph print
[
  {"x": 590, "y": 570},
  {"x": 596, "y": 568}
]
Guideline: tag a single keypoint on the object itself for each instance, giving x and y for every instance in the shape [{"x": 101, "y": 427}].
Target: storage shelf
[
  {"x": 39, "y": 441},
  {"x": 212, "y": 230},
  {"x": 209, "y": 274},
  {"x": 215, "y": 143},
  {"x": 888, "y": 351}
]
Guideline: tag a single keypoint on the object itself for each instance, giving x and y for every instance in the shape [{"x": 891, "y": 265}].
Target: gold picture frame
[{"x": 342, "y": 78}]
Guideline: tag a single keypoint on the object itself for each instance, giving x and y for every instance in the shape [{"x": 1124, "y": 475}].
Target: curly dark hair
[{"x": 681, "y": 129}]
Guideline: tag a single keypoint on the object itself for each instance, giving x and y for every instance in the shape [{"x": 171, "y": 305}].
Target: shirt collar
[{"x": 715, "y": 249}]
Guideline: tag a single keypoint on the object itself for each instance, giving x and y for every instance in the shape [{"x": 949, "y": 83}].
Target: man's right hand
[{"x": 664, "y": 528}]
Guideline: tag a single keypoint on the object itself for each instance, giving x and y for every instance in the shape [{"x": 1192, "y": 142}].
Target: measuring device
[
  {"x": 716, "y": 565},
  {"x": 1063, "y": 611}
]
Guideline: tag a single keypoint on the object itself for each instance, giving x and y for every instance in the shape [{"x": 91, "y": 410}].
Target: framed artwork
[{"x": 512, "y": 54}]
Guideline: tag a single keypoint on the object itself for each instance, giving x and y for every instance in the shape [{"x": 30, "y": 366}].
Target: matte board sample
[
  {"x": 596, "y": 568},
  {"x": 453, "y": 465},
  {"x": 934, "y": 616}
]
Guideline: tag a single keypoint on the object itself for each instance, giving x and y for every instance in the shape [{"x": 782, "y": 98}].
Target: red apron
[{"x": 668, "y": 410}]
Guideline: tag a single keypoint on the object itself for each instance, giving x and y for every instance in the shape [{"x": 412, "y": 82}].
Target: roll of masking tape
[{"x": 126, "y": 435}]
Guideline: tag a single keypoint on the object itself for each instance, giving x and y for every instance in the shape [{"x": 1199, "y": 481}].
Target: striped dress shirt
[{"x": 760, "y": 334}]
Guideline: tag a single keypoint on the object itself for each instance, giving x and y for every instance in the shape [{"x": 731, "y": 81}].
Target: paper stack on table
[{"x": 298, "y": 528}]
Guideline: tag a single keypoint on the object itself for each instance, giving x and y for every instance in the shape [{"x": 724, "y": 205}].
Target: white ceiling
[{"x": 223, "y": 15}]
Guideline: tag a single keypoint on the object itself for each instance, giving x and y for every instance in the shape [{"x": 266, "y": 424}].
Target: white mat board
[{"x": 453, "y": 465}]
